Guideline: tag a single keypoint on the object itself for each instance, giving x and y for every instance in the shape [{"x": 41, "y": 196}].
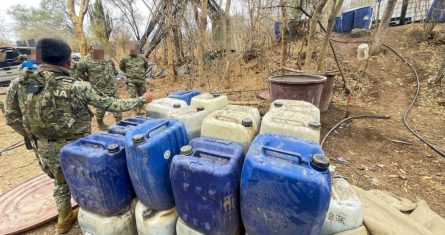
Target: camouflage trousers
[
  {"x": 49, "y": 156},
  {"x": 136, "y": 89},
  {"x": 100, "y": 113}
]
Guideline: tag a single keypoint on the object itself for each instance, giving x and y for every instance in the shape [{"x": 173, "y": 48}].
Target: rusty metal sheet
[{"x": 27, "y": 206}]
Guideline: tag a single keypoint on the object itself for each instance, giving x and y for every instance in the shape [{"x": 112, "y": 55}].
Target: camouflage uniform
[
  {"x": 134, "y": 67},
  {"x": 101, "y": 76},
  {"x": 59, "y": 122}
]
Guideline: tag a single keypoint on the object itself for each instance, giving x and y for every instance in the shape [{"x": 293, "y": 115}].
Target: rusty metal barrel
[{"x": 301, "y": 86}]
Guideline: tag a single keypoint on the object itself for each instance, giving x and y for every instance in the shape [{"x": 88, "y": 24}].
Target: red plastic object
[{"x": 27, "y": 206}]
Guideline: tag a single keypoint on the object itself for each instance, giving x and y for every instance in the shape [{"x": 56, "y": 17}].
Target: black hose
[
  {"x": 13, "y": 146},
  {"x": 350, "y": 118},
  {"x": 408, "y": 110},
  {"x": 405, "y": 115}
]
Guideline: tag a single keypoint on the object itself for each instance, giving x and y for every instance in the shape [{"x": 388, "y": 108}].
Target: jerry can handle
[
  {"x": 128, "y": 123},
  {"x": 213, "y": 154},
  {"x": 101, "y": 143},
  {"x": 285, "y": 155},
  {"x": 156, "y": 128},
  {"x": 275, "y": 119}
]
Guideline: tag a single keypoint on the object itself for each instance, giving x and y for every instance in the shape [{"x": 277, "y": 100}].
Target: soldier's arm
[
  {"x": 122, "y": 65},
  {"x": 92, "y": 97},
  {"x": 13, "y": 115},
  {"x": 82, "y": 72}
]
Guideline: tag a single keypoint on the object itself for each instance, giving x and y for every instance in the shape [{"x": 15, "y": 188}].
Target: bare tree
[
  {"x": 378, "y": 38},
  {"x": 77, "y": 21},
  {"x": 311, "y": 36},
  {"x": 101, "y": 24},
  {"x": 130, "y": 15},
  {"x": 170, "y": 59},
  {"x": 403, "y": 13},
  {"x": 202, "y": 26},
  {"x": 334, "y": 12},
  {"x": 284, "y": 20}
]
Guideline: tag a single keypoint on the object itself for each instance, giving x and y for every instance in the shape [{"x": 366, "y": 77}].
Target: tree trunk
[
  {"x": 227, "y": 32},
  {"x": 378, "y": 38},
  {"x": 201, "y": 41},
  {"x": 177, "y": 37},
  {"x": 284, "y": 20},
  {"x": 311, "y": 35},
  {"x": 403, "y": 13},
  {"x": 334, "y": 12},
  {"x": 77, "y": 21},
  {"x": 169, "y": 38}
]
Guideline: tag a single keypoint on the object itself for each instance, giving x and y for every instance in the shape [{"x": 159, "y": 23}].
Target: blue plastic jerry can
[
  {"x": 185, "y": 95},
  {"x": 285, "y": 186},
  {"x": 150, "y": 148},
  {"x": 95, "y": 169},
  {"x": 125, "y": 125},
  {"x": 205, "y": 180}
]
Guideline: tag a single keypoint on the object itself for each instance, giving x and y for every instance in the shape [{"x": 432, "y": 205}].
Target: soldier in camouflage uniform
[
  {"x": 134, "y": 66},
  {"x": 100, "y": 73},
  {"x": 56, "y": 113}
]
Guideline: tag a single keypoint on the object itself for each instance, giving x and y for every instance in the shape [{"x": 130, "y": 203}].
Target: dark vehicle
[{"x": 10, "y": 62}]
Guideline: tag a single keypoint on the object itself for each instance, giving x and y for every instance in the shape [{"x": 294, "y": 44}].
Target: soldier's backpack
[{"x": 49, "y": 112}]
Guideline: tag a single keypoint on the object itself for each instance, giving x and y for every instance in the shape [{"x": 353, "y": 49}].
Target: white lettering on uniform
[{"x": 60, "y": 93}]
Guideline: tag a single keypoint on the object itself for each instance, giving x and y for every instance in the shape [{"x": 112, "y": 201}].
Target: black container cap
[
  {"x": 113, "y": 148},
  {"x": 138, "y": 138},
  {"x": 314, "y": 125},
  {"x": 278, "y": 104},
  {"x": 186, "y": 150},
  {"x": 200, "y": 108},
  {"x": 148, "y": 213},
  {"x": 176, "y": 106},
  {"x": 247, "y": 122},
  {"x": 320, "y": 162},
  {"x": 216, "y": 95}
]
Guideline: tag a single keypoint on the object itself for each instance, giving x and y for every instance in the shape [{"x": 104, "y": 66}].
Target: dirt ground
[{"x": 367, "y": 152}]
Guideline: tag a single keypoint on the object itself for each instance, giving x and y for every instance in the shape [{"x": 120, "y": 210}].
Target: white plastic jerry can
[
  {"x": 345, "y": 210},
  {"x": 210, "y": 102},
  {"x": 152, "y": 222},
  {"x": 254, "y": 112},
  {"x": 363, "y": 51},
  {"x": 291, "y": 124},
  {"x": 192, "y": 118},
  {"x": 183, "y": 229},
  {"x": 163, "y": 107},
  {"x": 230, "y": 125},
  {"x": 297, "y": 106},
  {"x": 93, "y": 224}
]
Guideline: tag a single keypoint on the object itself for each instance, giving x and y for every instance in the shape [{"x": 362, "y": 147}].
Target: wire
[{"x": 350, "y": 118}]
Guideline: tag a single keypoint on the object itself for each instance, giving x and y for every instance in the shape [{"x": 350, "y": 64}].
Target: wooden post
[
  {"x": 284, "y": 23},
  {"x": 202, "y": 30}
]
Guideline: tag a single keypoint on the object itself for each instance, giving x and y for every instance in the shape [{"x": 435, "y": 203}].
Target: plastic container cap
[
  {"x": 247, "y": 122},
  {"x": 278, "y": 104},
  {"x": 200, "y": 108},
  {"x": 148, "y": 213},
  {"x": 113, "y": 148},
  {"x": 314, "y": 125},
  {"x": 216, "y": 95},
  {"x": 320, "y": 162},
  {"x": 176, "y": 106},
  {"x": 138, "y": 138},
  {"x": 186, "y": 150}
]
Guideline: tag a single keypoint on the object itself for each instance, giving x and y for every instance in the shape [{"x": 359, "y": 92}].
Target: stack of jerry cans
[
  {"x": 96, "y": 172},
  {"x": 285, "y": 186},
  {"x": 150, "y": 148},
  {"x": 292, "y": 118},
  {"x": 123, "y": 126},
  {"x": 210, "y": 102},
  {"x": 163, "y": 107},
  {"x": 205, "y": 181},
  {"x": 184, "y": 95},
  {"x": 230, "y": 124}
]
